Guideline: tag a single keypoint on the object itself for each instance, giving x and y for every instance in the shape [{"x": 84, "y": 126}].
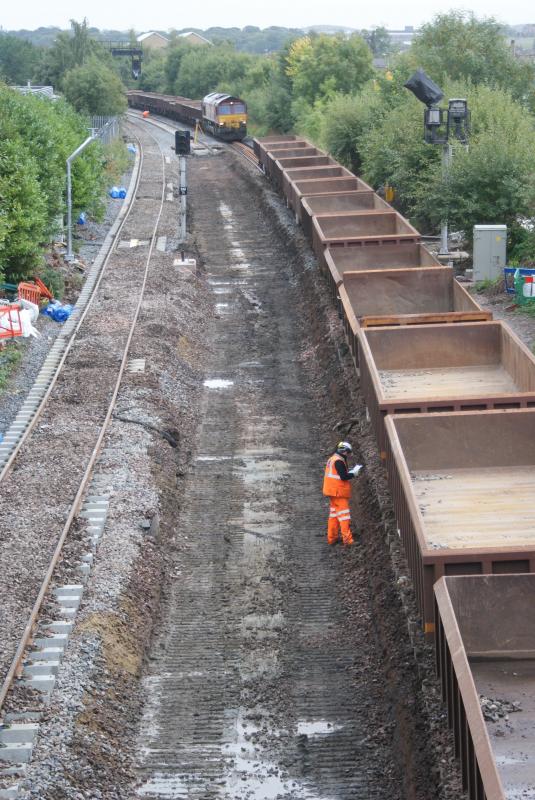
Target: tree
[
  {"x": 459, "y": 46},
  {"x": 93, "y": 88},
  {"x": 36, "y": 136},
  {"x": 347, "y": 118},
  {"x": 378, "y": 40},
  {"x": 70, "y": 49},
  {"x": 153, "y": 74},
  {"x": 204, "y": 70},
  {"x": 18, "y": 59},
  {"x": 173, "y": 60},
  {"x": 320, "y": 66},
  {"x": 493, "y": 181}
]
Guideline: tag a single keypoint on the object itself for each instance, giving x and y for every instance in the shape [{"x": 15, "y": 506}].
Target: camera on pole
[{"x": 440, "y": 124}]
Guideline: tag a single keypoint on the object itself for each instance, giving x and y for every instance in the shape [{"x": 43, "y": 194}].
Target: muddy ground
[{"x": 277, "y": 667}]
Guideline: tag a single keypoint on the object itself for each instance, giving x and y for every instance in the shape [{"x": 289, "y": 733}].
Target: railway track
[
  {"x": 202, "y": 141},
  {"x": 244, "y": 150},
  {"x": 47, "y": 483}
]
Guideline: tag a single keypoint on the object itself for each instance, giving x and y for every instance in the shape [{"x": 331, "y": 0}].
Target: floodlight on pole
[{"x": 440, "y": 125}]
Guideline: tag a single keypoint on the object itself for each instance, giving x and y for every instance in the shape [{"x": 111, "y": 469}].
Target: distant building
[
  {"x": 153, "y": 40},
  {"x": 194, "y": 38},
  {"x": 39, "y": 91},
  {"x": 403, "y": 39}
]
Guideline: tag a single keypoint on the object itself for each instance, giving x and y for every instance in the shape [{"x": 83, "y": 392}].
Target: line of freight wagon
[{"x": 451, "y": 398}]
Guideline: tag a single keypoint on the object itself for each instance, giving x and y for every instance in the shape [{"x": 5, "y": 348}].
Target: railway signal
[
  {"x": 440, "y": 126},
  {"x": 182, "y": 149}
]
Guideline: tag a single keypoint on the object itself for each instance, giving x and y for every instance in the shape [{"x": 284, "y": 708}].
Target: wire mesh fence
[{"x": 105, "y": 128}]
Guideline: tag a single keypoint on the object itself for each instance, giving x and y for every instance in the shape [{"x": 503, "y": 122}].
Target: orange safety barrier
[
  {"x": 10, "y": 323},
  {"x": 45, "y": 291},
  {"x": 29, "y": 291}
]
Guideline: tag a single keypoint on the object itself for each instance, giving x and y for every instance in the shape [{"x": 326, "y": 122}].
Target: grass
[{"x": 10, "y": 358}]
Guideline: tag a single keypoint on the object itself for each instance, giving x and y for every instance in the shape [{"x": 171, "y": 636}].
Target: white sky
[{"x": 164, "y": 14}]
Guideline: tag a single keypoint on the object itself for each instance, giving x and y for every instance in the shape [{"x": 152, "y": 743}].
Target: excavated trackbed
[{"x": 259, "y": 683}]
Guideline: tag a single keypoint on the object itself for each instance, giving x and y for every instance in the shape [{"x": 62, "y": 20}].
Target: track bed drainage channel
[{"x": 250, "y": 688}]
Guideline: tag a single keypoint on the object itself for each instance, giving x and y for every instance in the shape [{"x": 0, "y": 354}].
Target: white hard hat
[{"x": 344, "y": 447}]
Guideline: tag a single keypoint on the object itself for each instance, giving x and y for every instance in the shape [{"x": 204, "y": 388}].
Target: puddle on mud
[
  {"x": 251, "y": 778},
  {"x": 231, "y": 282},
  {"x": 217, "y": 383},
  {"x": 214, "y": 458},
  {"x": 318, "y": 728},
  {"x": 225, "y": 211}
]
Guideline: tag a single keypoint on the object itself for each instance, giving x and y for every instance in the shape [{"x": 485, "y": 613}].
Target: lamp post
[
  {"x": 441, "y": 124},
  {"x": 69, "y": 255}
]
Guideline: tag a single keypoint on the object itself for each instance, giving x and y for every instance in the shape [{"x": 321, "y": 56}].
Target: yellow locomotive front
[{"x": 225, "y": 116}]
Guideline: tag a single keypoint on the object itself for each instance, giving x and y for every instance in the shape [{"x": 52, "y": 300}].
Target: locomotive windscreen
[{"x": 231, "y": 108}]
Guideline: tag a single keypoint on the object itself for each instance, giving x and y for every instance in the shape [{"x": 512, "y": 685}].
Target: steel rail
[
  {"x": 167, "y": 127},
  {"x": 246, "y": 152},
  {"x": 134, "y": 184},
  {"x": 15, "y": 667}
]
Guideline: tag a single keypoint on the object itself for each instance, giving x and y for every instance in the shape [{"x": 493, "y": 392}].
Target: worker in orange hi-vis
[{"x": 337, "y": 487}]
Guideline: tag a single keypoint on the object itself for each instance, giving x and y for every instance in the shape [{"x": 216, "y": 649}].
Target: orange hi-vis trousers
[{"x": 339, "y": 520}]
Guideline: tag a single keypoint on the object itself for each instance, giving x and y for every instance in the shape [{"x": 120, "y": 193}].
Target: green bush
[{"x": 36, "y": 137}]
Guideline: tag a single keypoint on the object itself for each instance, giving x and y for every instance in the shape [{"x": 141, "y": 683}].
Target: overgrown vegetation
[
  {"x": 10, "y": 357},
  {"x": 36, "y": 136}
]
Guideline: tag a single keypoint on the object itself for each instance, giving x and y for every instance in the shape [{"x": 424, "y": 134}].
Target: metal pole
[
  {"x": 69, "y": 255},
  {"x": 446, "y": 161},
  {"x": 183, "y": 195}
]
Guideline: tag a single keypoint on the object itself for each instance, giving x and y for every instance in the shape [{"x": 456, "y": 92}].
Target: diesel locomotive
[{"x": 219, "y": 114}]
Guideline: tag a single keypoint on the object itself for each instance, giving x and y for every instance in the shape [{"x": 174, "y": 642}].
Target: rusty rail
[{"x": 15, "y": 668}]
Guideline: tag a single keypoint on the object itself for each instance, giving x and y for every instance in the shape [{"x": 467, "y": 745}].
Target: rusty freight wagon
[
  {"x": 295, "y": 144},
  {"x": 271, "y": 157},
  {"x": 262, "y": 145},
  {"x": 424, "y": 368},
  {"x": 284, "y": 163},
  {"x": 383, "y": 256},
  {"x": 293, "y": 176},
  {"x": 416, "y": 296},
  {"x": 462, "y": 487},
  {"x": 310, "y": 187},
  {"x": 359, "y": 229},
  {"x": 485, "y": 653},
  {"x": 338, "y": 203}
]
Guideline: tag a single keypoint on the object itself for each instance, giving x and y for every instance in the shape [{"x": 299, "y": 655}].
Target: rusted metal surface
[
  {"x": 284, "y": 144},
  {"x": 417, "y": 296},
  {"x": 446, "y": 368},
  {"x": 187, "y": 110},
  {"x": 311, "y": 187},
  {"x": 273, "y": 170},
  {"x": 377, "y": 256},
  {"x": 495, "y": 661},
  {"x": 462, "y": 496},
  {"x": 292, "y": 176},
  {"x": 338, "y": 203},
  {"x": 283, "y": 163},
  {"x": 355, "y": 229},
  {"x": 374, "y": 256},
  {"x": 261, "y": 144}
]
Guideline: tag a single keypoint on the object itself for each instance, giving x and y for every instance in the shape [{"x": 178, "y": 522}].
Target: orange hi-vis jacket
[{"x": 333, "y": 485}]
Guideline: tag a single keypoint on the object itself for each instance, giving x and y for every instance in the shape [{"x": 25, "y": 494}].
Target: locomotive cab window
[{"x": 232, "y": 108}]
